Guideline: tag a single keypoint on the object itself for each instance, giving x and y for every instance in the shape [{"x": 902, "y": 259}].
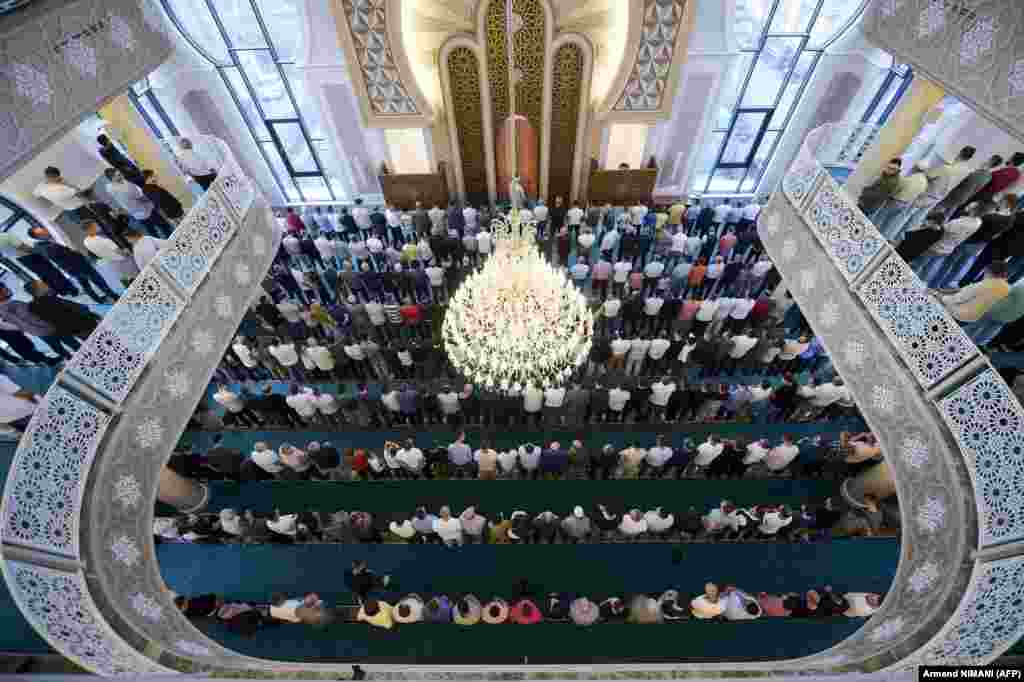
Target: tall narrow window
[
  {"x": 152, "y": 112},
  {"x": 780, "y": 42},
  {"x": 253, "y": 44},
  {"x": 407, "y": 149},
  {"x": 895, "y": 83}
]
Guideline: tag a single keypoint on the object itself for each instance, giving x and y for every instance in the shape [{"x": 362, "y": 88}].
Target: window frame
[
  {"x": 897, "y": 72},
  {"x": 150, "y": 97},
  {"x": 287, "y": 186},
  {"x": 773, "y": 123}
]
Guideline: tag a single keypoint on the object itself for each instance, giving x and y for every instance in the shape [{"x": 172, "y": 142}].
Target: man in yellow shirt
[
  {"x": 377, "y": 613},
  {"x": 891, "y": 217},
  {"x": 970, "y": 303}
]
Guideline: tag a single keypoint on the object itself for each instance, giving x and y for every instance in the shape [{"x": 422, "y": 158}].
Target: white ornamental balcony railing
[{"x": 949, "y": 425}]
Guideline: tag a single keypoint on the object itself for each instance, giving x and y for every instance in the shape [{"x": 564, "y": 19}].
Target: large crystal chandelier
[{"x": 518, "y": 321}]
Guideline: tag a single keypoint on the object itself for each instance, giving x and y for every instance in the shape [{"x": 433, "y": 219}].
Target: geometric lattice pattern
[
  {"x": 970, "y": 48},
  {"x": 197, "y": 241},
  {"x": 988, "y": 423},
  {"x": 367, "y": 21},
  {"x": 59, "y": 607},
  {"x": 464, "y": 81},
  {"x": 991, "y": 617},
  {"x": 114, "y": 355},
  {"x": 530, "y": 48},
  {"x": 566, "y": 83},
  {"x": 926, "y": 336},
  {"x": 799, "y": 180},
  {"x": 847, "y": 235},
  {"x": 645, "y": 88},
  {"x": 497, "y": 62},
  {"x": 43, "y": 493}
]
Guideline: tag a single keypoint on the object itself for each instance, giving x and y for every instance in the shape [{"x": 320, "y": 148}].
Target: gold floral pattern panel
[
  {"x": 566, "y": 81},
  {"x": 497, "y": 61},
  {"x": 528, "y": 39},
  {"x": 464, "y": 79}
]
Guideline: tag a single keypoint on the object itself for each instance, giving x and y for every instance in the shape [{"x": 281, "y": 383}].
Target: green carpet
[
  {"x": 493, "y": 496},
  {"x": 253, "y": 572},
  {"x": 594, "y": 435}
]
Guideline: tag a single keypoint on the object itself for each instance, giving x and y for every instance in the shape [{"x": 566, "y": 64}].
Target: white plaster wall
[{"x": 75, "y": 154}]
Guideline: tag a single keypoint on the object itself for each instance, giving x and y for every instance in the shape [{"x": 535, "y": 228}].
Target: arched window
[
  {"x": 780, "y": 42},
  {"x": 253, "y": 45}
]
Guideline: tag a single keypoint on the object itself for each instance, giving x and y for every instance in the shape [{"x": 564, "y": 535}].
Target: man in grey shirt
[
  {"x": 577, "y": 399},
  {"x": 577, "y": 526},
  {"x": 460, "y": 456},
  {"x": 423, "y": 522}
]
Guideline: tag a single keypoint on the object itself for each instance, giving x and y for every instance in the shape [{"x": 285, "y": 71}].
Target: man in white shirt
[
  {"x": 694, "y": 245},
  {"x": 470, "y": 215},
  {"x": 266, "y": 458},
  {"x": 533, "y": 401},
  {"x": 448, "y": 401},
  {"x": 621, "y": 272},
  {"x": 508, "y": 462},
  {"x": 741, "y": 345},
  {"x": 573, "y": 217},
  {"x": 411, "y": 458},
  {"x": 16, "y": 404},
  {"x": 633, "y": 524},
  {"x": 327, "y": 406},
  {"x": 554, "y": 399},
  {"x": 774, "y": 521},
  {"x": 652, "y": 307},
  {"x": 321, "y": 358},
  {"x": 303, "y": 402},
  {"x": 659, "y": 521},
  {"x": 586, "y": 241},
  {"x": 781, "y": 455},
  {"x": 436, "y": 215},
  {"x": 637, "y": 355},
  {"x": 529, "y": 459},
  {"x": 361, "y": 215},
  {"x": 235, "y": 407},
  {"x": 720, "y": 216},
  {"x": 656, "y": 353},
  {"x": 108, "y": 252},
  {"x": 708, "y": 451},
  {"x": 540, "y": 214},
  {"x": 652, "y": 272},
  {"x": 756, "y": 452},
  {"x": 196, "y": 163},
  {"x": 132, "y": 201},
  {"x": 448, "y": 528},
  {"x": 608, "y": 243},
  {"x": 739, "y": 312},
  {"x": 657, "y": 457},
  {"x": 484, "y": 242},
  {"x": 288, "y": 357},
  {"x": 580, "y": 271},
  {"x": 144, "y": 247},
  {"x": 661, "y": 391},
  {"x": 637, "y": 214},
  {"x": 325, "y": 247},
  {"x": 68, "y": 198},
  {"x": 617, "y": 399}
]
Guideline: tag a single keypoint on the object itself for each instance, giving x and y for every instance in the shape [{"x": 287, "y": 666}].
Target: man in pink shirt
[
  {"x": 600, "y": 274},
  {"x": 686, "y": 314}
]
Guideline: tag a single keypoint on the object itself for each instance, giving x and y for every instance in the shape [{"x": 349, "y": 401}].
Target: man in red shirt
[
  {"x": 295, "y": 224},
  {"x": 412, "y": 315},
  {"x": 1002, "y": 179}
]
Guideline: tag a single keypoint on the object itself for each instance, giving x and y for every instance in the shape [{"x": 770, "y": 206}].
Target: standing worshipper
[{"x": 196, "y": 163}]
